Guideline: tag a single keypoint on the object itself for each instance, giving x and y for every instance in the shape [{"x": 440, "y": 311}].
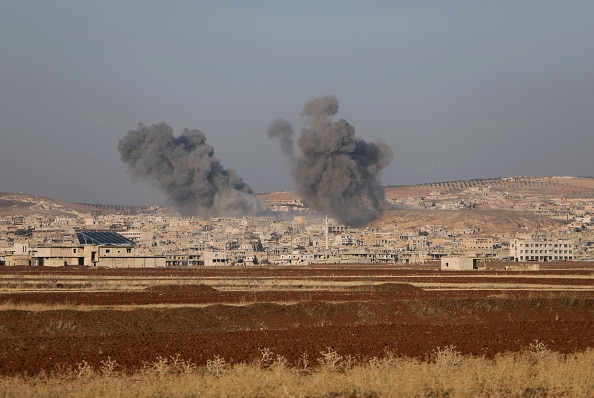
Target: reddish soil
[{"x": 362, "y": 321}]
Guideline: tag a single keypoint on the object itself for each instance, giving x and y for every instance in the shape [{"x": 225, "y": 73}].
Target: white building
[{"x": 533, "y": 249}]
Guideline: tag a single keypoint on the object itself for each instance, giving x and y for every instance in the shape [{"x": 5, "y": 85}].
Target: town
[{"x": 532, "y": 219}]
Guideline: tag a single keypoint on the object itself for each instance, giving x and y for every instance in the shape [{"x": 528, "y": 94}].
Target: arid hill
[
  {"x": 481, "y": 221},
  {"x": 20, "y": 204},
  {"x": 279, "y": 196},
  {"x": 567, "y": 187}
]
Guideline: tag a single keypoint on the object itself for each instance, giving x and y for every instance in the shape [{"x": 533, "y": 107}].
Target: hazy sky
[{"x": 457, "y": 89}]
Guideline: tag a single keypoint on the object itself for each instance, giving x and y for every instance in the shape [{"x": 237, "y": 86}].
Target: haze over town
[{"x": 457, "y": 90}]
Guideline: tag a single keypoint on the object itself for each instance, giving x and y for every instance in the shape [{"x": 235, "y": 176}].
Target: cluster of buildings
[
  {"x": 159, "y": 241},
  {"x": 295, "y": 236}
]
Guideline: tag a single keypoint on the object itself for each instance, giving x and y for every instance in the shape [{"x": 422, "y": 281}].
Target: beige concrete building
[
  {"x": 459, "y": 263},
  {"x": 214, "y": 258},
  {"x": 477, "y": 247},
  {"x": 110, "y": 256},
  {"x": 17, "y": 255}
]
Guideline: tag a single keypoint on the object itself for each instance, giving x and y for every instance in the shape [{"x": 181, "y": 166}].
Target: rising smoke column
[
  {"x": 186, "y": 169},
  {"x": 336, "y": 172}
]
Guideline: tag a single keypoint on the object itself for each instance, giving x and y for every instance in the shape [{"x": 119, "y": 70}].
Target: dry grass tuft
[{"x": 534, "y": 372}]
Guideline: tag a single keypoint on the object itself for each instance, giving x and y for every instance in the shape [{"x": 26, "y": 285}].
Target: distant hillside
[
  {"x": 568, "y": 187},
  {"x": 279, "y": 196},
  {"x": 19, "y": 204},
  {"x": 481, "y": 221}
]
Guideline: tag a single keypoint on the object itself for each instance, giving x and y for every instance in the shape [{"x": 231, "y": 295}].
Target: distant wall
[
  {"x": 458, "y": 263},
  {"x": 523, "y": 267}
]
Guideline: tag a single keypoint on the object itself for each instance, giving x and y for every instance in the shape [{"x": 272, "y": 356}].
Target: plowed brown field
[{"x": 51, "y": 318}]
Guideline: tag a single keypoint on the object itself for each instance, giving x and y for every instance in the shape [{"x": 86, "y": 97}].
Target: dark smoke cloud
[
  {"x": 336, "y": 172},
  {"x": 186, "y": 169}
]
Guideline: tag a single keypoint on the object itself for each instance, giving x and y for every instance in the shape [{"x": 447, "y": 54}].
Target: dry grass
[
  {"x": 40, "y": 307},
  {"x": 10, "y": 305},
  {"x": 535, "y": 372},
  {"x": 24, "y": 283},
  {"x": 97, "y": 283},
  {"x": 568, "y": 300}
]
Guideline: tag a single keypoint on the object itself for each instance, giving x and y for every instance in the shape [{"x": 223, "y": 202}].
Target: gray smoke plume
[
  {"x": 336, "y": 172},
  {"x": 283, "y": 130},
  {"x": 186, "y": 169}
]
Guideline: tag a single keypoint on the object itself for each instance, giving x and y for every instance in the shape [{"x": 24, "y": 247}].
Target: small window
[
  {"x": 106, "y": 250},
  {"x": 128, "y": 250}
]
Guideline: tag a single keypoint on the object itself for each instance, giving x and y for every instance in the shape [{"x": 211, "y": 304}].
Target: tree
[
  {"x": 23, "y": 232},
  {"x": 257, "y": 246}
]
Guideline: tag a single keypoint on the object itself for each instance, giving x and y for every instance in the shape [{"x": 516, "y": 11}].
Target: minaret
[{"x": 326, "y": 235}]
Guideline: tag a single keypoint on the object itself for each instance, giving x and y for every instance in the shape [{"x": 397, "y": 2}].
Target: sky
[{"x": 457, "y": 89}]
